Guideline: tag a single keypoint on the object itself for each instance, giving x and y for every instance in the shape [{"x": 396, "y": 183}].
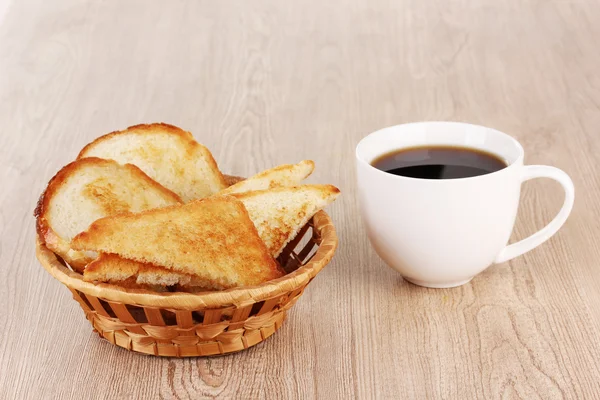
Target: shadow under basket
[{"x": 179, "y": 324}]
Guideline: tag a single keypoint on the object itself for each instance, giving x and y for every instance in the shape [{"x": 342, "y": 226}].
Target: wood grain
[{"x": 268, "y": 82}]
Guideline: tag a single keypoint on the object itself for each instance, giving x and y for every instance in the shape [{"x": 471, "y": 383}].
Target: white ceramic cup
[{"x": 441, "y": 233}]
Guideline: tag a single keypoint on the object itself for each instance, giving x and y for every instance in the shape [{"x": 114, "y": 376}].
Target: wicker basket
[{"x": 199, "y": 324}]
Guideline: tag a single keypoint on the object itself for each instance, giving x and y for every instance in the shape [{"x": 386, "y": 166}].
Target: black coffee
[{"x": 439, "y": 162}]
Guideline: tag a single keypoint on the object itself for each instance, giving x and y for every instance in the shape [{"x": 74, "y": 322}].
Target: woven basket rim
[{"x": 204, "y": 300}]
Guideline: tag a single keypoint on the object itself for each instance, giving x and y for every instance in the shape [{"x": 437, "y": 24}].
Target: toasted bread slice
[
  {"x": 86, "y": 190},
  {"x": 282, "y": 175},
  {"x": 279, "y": 213},
  {"x": 212, "y": 239},
  {"x": 112, "y": 268},
  {"x": 167, "y": 154}
]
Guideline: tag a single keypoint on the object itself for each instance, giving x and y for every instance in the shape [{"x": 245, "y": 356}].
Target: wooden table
[{"x": 269, "y": 82}]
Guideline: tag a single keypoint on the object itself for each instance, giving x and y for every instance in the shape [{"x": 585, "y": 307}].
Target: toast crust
[
  {"x": 212, "y": 239},
  {"x": 193, "y": 151},
  {"x": 139, "y": 129},
  {"x": 97, "y": 191}
]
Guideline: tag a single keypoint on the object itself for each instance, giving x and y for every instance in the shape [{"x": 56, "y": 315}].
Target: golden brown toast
[
  {"x": 212, "y": 239},
  {"x": 112, "y": 268},
  {"x": 167, "y": 154},
  {"x": 282, "y": 175},
  {"x": 279, "y": 213},
  {"x": 88, "y": 189}
]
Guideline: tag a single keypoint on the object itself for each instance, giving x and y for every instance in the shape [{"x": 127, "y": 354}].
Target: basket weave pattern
[{"x": 199, "y": 324}]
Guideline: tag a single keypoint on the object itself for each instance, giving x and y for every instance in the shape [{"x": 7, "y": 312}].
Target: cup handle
[{"x": 533, "y": 241}]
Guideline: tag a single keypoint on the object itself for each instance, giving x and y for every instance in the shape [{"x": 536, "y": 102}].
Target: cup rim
[{"x": 509, "y": 167}]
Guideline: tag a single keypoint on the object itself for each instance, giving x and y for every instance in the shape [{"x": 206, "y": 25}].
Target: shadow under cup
[{"x": 439, "y": 233}]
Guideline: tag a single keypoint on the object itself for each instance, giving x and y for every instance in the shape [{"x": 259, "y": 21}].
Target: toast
[
  {"x": 282, "y": 175},
  {"x": 212, "y": 239},
  {"x": 167, "y": 154},
  {"x": 279, "y": 213},
  {"x": 112, "y": 268},
  {"x": 86, "y": 190}
]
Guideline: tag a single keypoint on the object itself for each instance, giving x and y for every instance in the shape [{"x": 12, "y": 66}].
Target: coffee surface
[{"x": 439, "y": 162}]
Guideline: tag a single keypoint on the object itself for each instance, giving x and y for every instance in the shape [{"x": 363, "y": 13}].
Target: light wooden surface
[{"x": 267, "y": 82}]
